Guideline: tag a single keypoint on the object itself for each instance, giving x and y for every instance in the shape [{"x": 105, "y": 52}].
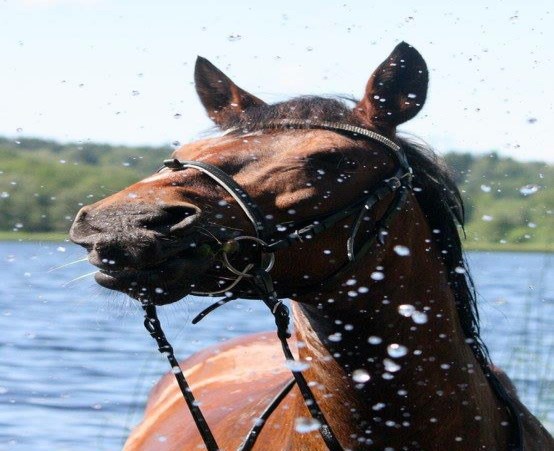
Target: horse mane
[{"x": 434, "y": 188}]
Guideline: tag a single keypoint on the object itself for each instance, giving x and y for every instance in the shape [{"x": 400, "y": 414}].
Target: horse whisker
[
  {"x": 55, "y": 268},
  {"x": 225, "y": 226},
  {"x": 208, "y": 233},
  {"x": 78, "y": 278}
]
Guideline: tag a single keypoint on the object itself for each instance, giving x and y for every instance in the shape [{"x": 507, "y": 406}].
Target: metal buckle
[
  {"x": 394, "y": 183},
  {"x": 173, "y": 163},
  {"x": 237, "y": 272}
]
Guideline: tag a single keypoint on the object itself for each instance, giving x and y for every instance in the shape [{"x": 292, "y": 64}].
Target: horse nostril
[
  {"x": 182, "y": 216},
  {"x": 80, "y": 229},
  {"x": 184, "y": 224}
]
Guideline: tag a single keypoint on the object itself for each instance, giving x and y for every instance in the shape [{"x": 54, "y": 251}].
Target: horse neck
[{"x": 439, "y": 387}]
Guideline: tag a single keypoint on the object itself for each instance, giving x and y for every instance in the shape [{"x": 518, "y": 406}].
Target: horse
[{"x": 319, "y": 199}]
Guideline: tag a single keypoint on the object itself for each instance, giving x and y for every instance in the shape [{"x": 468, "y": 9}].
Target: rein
[{"x": 257, "y": 274}]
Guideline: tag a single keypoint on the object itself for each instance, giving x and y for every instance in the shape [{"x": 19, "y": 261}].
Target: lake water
[{"x": 76, "y": 364}]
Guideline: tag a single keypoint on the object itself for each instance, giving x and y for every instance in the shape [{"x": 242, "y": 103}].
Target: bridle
[{"x": 270, "y": 240}]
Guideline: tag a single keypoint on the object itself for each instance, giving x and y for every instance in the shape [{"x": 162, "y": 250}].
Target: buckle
[
  {"x": 173, "y": 163},
  {"x": 394, "y": 183}
]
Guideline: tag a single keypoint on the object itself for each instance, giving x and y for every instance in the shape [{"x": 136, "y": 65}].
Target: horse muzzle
[{"x": 148, "y": 254}]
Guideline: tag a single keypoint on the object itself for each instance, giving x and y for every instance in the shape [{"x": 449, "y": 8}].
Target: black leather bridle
[{"x": 270, "y": 240}]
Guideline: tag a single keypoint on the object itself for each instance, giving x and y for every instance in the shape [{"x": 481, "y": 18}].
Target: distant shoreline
[{"x": 8, "y": 236}]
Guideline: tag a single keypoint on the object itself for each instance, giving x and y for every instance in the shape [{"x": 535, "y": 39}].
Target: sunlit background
[
  {"x": 75, "y": 364},
  {"x": 121, "y": 72}
]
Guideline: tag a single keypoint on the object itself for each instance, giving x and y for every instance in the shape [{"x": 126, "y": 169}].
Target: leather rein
[{"x": 269, "y": 240}]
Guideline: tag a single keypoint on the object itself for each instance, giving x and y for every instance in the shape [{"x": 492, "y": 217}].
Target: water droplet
[
  {"x": 419, "y": 317},
  {"x": 177, "y": 116},
  {"x": 351, "y": 282},
  {"x": 391, "y": 366},
  {"x": 396, "y": 351},
  {"x": 18, "y": 129},
  {"x": 377, "y": 275},
  {"x": 411, "y": 95},
  {"x": 4, "y": 195},
  {"x": 234, "y": 37},
  {"x": 406, "y": 310},
  {"x": 337, "y": 336},
  {"x": 135, "y": 93},
  {"x": 176, "y": 370},
  {"x": 159, "y": 290},
  {"x": 459, "y": 270},
  {"x": 379, "y": 406},
  {"x": 487, "y": 218},
  {"x": 132, "y": 195},
  {"x": 60, "y": 249},
  {"x": 361, "y": 376},
  {"x": 486, "y": 188},
  {"x": 374, "y": 340},
  {"x": 297, "y": 365},
  {"x": 527, "y": 190},
  {"x": 304, "y": 425},
  {"x": 403, "y": 251}
]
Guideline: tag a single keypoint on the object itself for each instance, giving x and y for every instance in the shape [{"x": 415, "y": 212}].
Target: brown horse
[{"x": 387, "y": 334}]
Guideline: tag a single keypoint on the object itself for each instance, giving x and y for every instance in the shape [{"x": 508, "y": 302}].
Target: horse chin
[{"x": 164, "y": 283}]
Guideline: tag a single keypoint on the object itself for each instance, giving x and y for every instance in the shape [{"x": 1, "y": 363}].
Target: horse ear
[
  {"x": 397, "y": 90},
  {"x": 222, "y": 99}
]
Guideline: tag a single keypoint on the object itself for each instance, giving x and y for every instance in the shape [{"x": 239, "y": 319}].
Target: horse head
[
  {"x": 312, "y": 198},
  {"x": 162, "y": 237}
]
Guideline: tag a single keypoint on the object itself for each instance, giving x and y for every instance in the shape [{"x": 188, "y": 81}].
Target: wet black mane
[{"x": 434, "y": 188}]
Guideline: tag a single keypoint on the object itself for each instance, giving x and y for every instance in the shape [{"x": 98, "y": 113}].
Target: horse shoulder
[{"x": 233, "y": 383}]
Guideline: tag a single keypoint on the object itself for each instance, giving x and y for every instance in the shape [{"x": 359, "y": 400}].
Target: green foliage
[
  {"x": 507, "y": 201},
  {"x": 43, "y": 184}
]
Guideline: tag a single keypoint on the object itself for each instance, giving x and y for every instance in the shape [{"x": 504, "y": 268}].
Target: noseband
[{"x": 271, "y": 240}]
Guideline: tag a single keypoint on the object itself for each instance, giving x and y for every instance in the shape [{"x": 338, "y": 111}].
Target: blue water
[{"x": 76, "y": 364}]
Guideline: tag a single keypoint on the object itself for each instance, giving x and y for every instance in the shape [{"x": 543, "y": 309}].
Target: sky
[{"x": 122, "y": 72}]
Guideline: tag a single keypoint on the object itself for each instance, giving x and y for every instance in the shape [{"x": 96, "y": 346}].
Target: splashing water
[
  {"x": 527, "y": 190},
  {"x": 403, "y": 251},
  {"x": 361, "y": 376},
  {"x": 396, "y": 350},
  {"x": 304, "y": 425},
  {"x": 406, "y": 310},
  {"x": 297, "y": 365},
  {"x": 391, "y": 366}
]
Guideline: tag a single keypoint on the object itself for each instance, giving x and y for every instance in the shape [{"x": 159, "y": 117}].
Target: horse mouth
[{"x": 163, "y": 283}]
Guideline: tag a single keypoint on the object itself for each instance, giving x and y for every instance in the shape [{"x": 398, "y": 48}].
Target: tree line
[{"x": 44, "y": 183}]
